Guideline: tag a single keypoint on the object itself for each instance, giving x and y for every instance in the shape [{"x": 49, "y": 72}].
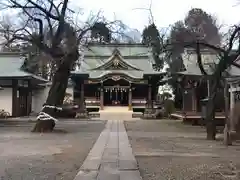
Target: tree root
[
  {"x": 44, "y": 126},
  {"x": 45, "y": 121}
]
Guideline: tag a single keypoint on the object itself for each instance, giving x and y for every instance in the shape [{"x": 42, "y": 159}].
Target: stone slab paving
[
  {"x": 127, "y": 116},
  {"x": 111, "y": 157}
]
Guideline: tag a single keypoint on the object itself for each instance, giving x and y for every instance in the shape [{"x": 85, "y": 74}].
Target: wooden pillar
[
  {"x": 150, "y": 95},
  {"x": 74, "y": 94},
  {"x": 101, "y": 98},
  {"x": 194, "y": 101},
  {"x": 15, "y": 102},
  {"x": 82, "y": 96},
  {"x": 29, "y": 97},
  {"x": 130, "y": 99},
  {"x": 183, "y": 100}
]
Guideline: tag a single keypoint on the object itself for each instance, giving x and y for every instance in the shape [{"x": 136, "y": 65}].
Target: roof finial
[{"x": 116, "y": 51}]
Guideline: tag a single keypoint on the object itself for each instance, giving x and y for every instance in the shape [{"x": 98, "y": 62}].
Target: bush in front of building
[{"x": 4, "y": 114}]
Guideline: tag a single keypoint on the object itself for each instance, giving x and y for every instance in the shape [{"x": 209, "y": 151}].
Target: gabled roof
[
  {"x": 10, "y": 67},
  {"x": 209, "y": 60},
  {"x": 116, "y": 59},
  {"x": 101, "y": 73},
  {"x": 125, "y": 49},
  {"x": 134, "y": 59}
]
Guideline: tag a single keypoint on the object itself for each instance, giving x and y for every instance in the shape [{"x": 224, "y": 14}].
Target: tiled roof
[
  {"x": 124, "y": 49},
  {"x": 191, "y": 65},
  {"x": 10, "y": 64},
  {"x": 209, "y": 61},
  {"x": 137, "y": 56},
  {"x": 100, "y": 73}
]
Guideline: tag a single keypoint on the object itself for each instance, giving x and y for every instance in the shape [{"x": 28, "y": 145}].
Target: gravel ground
[
  {"x": 169, "y": 150},
  {"x": 51, "y": 156}
]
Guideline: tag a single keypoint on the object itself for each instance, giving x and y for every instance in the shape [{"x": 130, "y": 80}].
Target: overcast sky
[{"x": 165, "y": 12}]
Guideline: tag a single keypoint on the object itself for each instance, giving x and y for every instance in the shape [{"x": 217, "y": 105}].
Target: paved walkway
[
  {"x": 116, "y": 116},
  {"x": 116, "y": 109},
  {"x": 116, "y": 113},
  {"x": 111, "y": 157}
]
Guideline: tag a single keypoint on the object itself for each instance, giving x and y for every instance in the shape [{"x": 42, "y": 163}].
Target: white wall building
[{"x": 16, "y": 85}]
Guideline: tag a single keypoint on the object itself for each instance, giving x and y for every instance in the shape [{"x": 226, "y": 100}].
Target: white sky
[{"x": 165, "y": 12}]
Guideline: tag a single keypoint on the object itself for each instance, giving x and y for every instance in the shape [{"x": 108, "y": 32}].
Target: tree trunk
[
  {"x": 210, "y": 124},
  {"x": 216, "y": 78},
  {"x": 210, "y": 117},
  {"x": 46, "y": 119}
]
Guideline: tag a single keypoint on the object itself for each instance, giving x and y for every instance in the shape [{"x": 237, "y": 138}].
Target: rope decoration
[{"x": 42, "y": 116}]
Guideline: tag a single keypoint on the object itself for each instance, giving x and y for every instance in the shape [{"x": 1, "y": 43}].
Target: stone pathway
[
  {"x": 111, "y": 157},
  {"x": 116, "y": 116},
  {"x": 115, "y": 109},
  {"x": 116, "y": 113}
]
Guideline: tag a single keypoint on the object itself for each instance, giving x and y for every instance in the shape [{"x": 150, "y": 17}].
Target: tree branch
[
  {"x": 199, "y": 59},
  {"x": 33, "y": 6},
  {"x": 231, "y": 41},
  {"x": 61, "y": 24},
  {"x": 236, "y": 65}
]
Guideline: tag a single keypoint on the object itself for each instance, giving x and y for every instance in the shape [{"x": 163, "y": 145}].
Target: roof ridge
[
  {"x": 116, "y": 52},
  {"x": 117, "y": 44}
]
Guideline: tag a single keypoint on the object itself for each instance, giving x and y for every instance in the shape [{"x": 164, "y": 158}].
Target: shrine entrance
[
  {"x": 116, "y": 96},
  {"x": 116, "y": 92}
]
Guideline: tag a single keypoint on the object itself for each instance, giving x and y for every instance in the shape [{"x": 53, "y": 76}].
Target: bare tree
[
  {"x": 36, "y": 61},
  {"x": 227, "y": 58},
  {"x": 201, "y": 32},
  {"x": 60, "y": 41}
]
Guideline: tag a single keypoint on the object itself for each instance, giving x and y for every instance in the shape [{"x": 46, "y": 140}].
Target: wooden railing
[
  {"x": 92, "y": 104},
  {"x": 139, "y": 102}
]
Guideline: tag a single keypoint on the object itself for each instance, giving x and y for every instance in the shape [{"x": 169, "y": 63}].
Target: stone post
[
  {"x": 227, "y": 137},
  {"x": 194, "y": 101},
  {"x": 232, "y": 105}
]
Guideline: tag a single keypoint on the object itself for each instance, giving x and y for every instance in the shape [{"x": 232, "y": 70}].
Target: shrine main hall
[{"x": 116, "y": 75}]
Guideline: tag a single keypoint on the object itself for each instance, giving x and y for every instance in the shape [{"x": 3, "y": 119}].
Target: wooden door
[{"x": 23, "y": 101}]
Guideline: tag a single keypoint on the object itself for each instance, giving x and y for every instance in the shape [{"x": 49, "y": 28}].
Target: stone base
[
  {"x": 94, "y": 115},
  {"x": 82, "y": 114},
  {"x": 234, "y": 135},
  {"x": 149, "y": 113},
  {"x": 137, "y": 115},
  {"x": 129, "y": 107}
]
